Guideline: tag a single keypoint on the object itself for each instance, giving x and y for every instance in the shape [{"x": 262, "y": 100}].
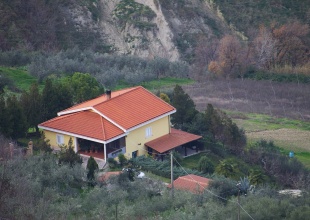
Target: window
[
  {"x": 60, "y": 139},
  {"x": 148, "y": 132}
]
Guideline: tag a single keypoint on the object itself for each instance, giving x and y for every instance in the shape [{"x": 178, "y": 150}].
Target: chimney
[{"x": 108, "y": 92}]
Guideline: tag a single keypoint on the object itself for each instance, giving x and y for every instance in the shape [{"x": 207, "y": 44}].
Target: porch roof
[{"x": 172, "y": 140}]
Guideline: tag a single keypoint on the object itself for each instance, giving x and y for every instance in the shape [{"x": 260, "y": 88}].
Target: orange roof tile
[
  {"x": 95, "y": 101},
  {"x": 191, "y": 182},
  {"x": 125, "y": 109},
  {"x": 134, "y": 107},
  {"x": 85, "y": 123},
  {"x": 170, "y": 141}
]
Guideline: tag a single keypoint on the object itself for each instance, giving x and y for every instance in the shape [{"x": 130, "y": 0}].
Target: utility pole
[
  {"x": 238, "y": 185},
  {"x": 172, "y": 187}
]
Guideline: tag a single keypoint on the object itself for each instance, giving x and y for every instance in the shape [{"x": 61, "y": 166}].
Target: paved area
[{"x": 101, "y": 163}]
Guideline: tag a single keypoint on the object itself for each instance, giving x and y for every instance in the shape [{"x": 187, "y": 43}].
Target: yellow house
[{"x": 131, "y": 121}]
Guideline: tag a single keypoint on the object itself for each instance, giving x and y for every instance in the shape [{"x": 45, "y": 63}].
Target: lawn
[
  {"x": 288, "y": 134},
  {"x": 21, "y": 79}
]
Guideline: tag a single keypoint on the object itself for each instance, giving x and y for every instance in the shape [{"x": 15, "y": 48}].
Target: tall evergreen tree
[
  {"x": 18, "y": 118},
  {"x": 185, "y": 108},
  {"x": 55, "y": 97},
  {"x": 32, "y": 105},
  {"x": 5, "y": 119}
]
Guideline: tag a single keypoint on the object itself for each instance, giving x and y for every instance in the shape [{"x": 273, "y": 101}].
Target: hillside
[{"x": 146, "y": 28}]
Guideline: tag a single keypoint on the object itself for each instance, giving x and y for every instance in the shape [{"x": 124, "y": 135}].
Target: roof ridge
[
  {"x": 158, "y": 97},
  {"x": 131, "y": 89},
  {"x": 102, "y": 126},
  {"x": 192, "y": 179}
]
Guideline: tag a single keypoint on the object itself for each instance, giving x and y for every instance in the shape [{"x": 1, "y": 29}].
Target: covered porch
[
  {"x": 101, "y": 151},
  {"x": 183, "y": 142}
]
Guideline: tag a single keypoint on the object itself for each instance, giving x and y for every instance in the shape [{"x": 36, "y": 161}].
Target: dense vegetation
[
  {"x": 41, "y": 187},
  {"x": 46, "y": 25}
]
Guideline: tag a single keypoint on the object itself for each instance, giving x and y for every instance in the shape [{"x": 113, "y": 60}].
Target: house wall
[
  {"x": 136, "y": 139},
  {"x": 52, "y": 137}
]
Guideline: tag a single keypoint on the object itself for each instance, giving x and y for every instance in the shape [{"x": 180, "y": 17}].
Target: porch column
[
  {"x": 105, "y": 152},
  {"x": 75, "y": 145}
]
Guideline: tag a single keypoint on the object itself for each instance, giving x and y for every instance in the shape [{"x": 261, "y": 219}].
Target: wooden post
[{"x": 172, "y": 187}]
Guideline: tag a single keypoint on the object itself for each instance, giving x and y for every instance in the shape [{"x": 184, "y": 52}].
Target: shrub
[
  {"x": 92, "y": 166},
  {"x": 122, "y": 159},
  {"x": 205, "y": 165},
  {"x": 112, "y": 162}
]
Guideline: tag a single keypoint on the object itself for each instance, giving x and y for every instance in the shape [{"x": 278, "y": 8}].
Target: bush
[
  {"x": 112, "y": 163},
  {"x": 162, "y": 168},
  {"x": 205, "y": 165},
  {"x": 122, "y": 159}
]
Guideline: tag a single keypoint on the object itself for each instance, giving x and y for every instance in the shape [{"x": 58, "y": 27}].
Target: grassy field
[
  {"x": 288, "y": 134},
  {"x": 21, "y": 79}
]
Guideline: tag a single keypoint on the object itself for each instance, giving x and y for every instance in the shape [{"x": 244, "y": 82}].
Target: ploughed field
[{"x": 288, "y": 100}]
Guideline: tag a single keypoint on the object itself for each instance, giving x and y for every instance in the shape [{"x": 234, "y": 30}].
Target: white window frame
[
  {"x": 60, "y": 139},
  {"x": 148, "y": 132}
]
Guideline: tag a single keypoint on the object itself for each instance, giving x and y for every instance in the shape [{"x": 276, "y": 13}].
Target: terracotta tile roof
[
  {"x": 95, "y": 101},
  {"x": 134, "y": 107},
  {"x": 125, "y": 109},
  {"x": 191, "y": 182},
  {"x": 85, "y": 123},
  {"x": 170, "y": 141}
]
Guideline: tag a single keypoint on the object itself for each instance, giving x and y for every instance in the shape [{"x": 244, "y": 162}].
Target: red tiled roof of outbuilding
[{"x": 191, "y": 182}]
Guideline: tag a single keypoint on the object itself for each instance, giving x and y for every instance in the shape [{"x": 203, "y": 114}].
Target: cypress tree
[
  {"x": 185, "y": 107},
  {"x": 17, "y": 118}
]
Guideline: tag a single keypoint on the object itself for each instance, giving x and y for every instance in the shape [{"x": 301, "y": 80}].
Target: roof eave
[{"x": 81, "y": 136}]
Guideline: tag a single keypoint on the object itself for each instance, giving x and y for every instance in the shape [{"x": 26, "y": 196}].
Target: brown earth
[{"x": 290, "y": 100}]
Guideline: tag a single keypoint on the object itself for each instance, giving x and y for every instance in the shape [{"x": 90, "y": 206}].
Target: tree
[
  {"x": 231, "y": 59},
  {"x": 92, "y": 166},
  {"x": 32, "y": 105},
  {"x": 42, "y": 144},
  {"x": 55, "y": 98},
  {"x": 291, "y": 46},
  {"x": 264, "y": 48},
  {"x": 205, "y": 165},
  {"x": 205, "y": 52},
  {"x": 17, "y": 118},
  {"x": 225, "y": 168},
  {"x": 6, "y": 123},
  {"x": 185, "y": 107},
  {"x": 68, "y": 156},
  {"x": 83, "y": 87},
  {"x": 164, "y": 97}
]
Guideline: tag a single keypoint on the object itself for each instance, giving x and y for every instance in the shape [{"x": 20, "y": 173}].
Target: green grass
[
  {"x": 21, "y": 79},
  {"x": 162, "y": 83},
  {"x": 288, "y": 134},
  {"x": 258, "y": 122}
]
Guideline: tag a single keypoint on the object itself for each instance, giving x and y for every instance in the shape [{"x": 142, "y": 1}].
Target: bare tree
[{"x": 264, "y": 47}]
